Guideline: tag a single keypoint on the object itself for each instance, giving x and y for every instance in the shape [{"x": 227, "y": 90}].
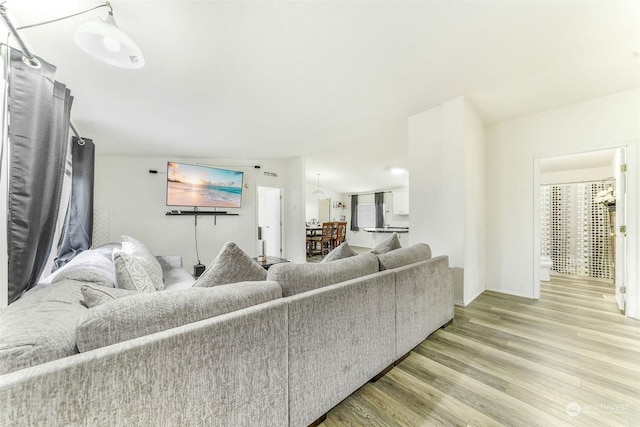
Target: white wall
[
  {"x": 447, "y": 191},
  {"x": 135, "y": 200},
  {"x": 514, "y": 149}
]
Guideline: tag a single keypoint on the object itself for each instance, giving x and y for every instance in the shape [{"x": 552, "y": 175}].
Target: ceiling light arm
[
  {"x": 27, "y": 56},
  {"x": 106, "y": 4}
]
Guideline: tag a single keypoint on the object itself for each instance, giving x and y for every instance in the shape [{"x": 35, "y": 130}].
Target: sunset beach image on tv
[{"x": 203, "y": 186}]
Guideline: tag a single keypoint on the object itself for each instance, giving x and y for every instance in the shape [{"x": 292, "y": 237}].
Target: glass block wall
[{"x": 574, "y": 230}]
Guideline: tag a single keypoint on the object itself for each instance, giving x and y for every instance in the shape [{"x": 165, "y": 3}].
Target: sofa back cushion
[
  {"x": 40, "y": 326},
  {"x": 404, "y": 256},
  {"x": 92, "y": 266},
  {"x": 146, "y": 313},
  {"x": 297, "y": 278}
]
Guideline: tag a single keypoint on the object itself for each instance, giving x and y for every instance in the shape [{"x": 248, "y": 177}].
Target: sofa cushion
[
  {"x": 97, "y": 295},
  {"x": 230, "y": 266},
  {"x": 131, "y": 273},
  {"x": 90, "y": 267},
  {"x": 148, "y": 261},
  {"x": 387, "y": 245},
  {"x": 404, "y": 256},
  {"x": 144, "y": 314},
  {"x": 342, "y": 251},
  {"x": 40, "y": 326},
  {"x": 297, "y": 278}
]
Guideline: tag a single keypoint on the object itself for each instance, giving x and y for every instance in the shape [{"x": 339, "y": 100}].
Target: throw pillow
[
  {"x": 388, "y": 245},
  {"x": 88, "y": 266},
  {"x": 230, "y": 266},
  {"x": 342, "y": 251},
  {"x": 149, "y": 262},
  {"x": 97, "y": 295},
  {"x": 131, "y": 273}
]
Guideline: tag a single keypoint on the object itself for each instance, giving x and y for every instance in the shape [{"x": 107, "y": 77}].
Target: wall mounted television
[{"x": 203, "y": 186}]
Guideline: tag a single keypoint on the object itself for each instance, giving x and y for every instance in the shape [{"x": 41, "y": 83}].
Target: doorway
[
  {"x": 574, "y": 226},
  {"x": 269, "y": 221}
]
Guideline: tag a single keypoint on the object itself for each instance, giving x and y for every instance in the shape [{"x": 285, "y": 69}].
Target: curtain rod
[
  {"x": 583, "y": 182},
  {"x": 27, "y": 56},
  {"x": 369, "y": 194}
]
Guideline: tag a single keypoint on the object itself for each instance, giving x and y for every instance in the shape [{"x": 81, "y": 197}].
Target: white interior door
[{"x": 270, "y": 219}]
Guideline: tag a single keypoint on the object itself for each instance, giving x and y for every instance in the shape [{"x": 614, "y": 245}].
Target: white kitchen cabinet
[{"x": 401, "y": 202}]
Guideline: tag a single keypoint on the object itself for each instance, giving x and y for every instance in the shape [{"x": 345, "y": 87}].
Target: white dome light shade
[{"x": 108, "y": 43}]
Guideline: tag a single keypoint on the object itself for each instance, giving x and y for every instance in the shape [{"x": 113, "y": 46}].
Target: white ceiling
[{"x": 332, "y": 81}]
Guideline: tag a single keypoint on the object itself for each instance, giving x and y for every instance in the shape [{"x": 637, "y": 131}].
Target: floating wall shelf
[{"x": 219, "y": 213}]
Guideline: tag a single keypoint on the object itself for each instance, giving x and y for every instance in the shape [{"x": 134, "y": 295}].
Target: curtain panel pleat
[
  {"x": 354, "y": 213},
  {"x": 78, "y": 225},
  {"x": 39, "y": 112},
  {"x": 379, "y": 204}
]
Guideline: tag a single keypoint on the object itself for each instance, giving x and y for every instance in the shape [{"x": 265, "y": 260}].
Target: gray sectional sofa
[{"x": 277, "y": 352}]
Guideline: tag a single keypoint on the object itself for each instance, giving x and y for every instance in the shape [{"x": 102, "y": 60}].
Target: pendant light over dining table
[{"x": 318, "y": 193}]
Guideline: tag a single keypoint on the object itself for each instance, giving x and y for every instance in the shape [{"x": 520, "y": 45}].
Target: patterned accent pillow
[
  {"x": 97, "y": 295},
  {"x": 136, "y": 248},
  {"x": 342, "y": 251},
  {"x": 230, "y": 266},
  {"x": 131, "y": 273},
  {"x": 388, "y": 245}
]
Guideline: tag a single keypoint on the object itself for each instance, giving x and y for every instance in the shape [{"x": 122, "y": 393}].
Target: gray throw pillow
[
  {"x": 388, "y": 245},
  {"x": 130, "y": 273},
  {"x": 145, "y": 314},
  {"x": 136, "y": 248},
  {"x": 97, "y": 295},
  {"x": 230, "y": 266},
  {"x": 342, "y": 251}
]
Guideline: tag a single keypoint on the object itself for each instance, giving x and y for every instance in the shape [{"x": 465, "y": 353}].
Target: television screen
[{"x": 203, "y": 186}]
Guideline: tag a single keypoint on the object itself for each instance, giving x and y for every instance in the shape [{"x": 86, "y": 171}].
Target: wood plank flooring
[{"x": 569, "y": 358}]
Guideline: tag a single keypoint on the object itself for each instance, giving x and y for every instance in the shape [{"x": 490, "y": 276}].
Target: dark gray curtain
[
  {"x": 379, "y": 204},
  {"x": 39, "y": 110},
  {"x": 78, "y": 223},
  {"x": 354, "y": 213}
]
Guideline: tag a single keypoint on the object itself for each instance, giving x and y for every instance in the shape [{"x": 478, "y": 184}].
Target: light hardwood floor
[{"x": 569, "y": 358}]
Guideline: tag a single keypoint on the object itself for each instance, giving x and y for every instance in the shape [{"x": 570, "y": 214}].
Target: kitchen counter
[{"x": 387, "y": 230}]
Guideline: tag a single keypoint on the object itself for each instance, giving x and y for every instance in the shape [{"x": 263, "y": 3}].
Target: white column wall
[{"x": 447, "y": 191}]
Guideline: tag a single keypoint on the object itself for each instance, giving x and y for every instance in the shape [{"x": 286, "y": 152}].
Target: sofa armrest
[
  {"x": 224, "y": 371},
  {"x": 169, "y": 261},
  {"x": 424, "y": 301}
]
